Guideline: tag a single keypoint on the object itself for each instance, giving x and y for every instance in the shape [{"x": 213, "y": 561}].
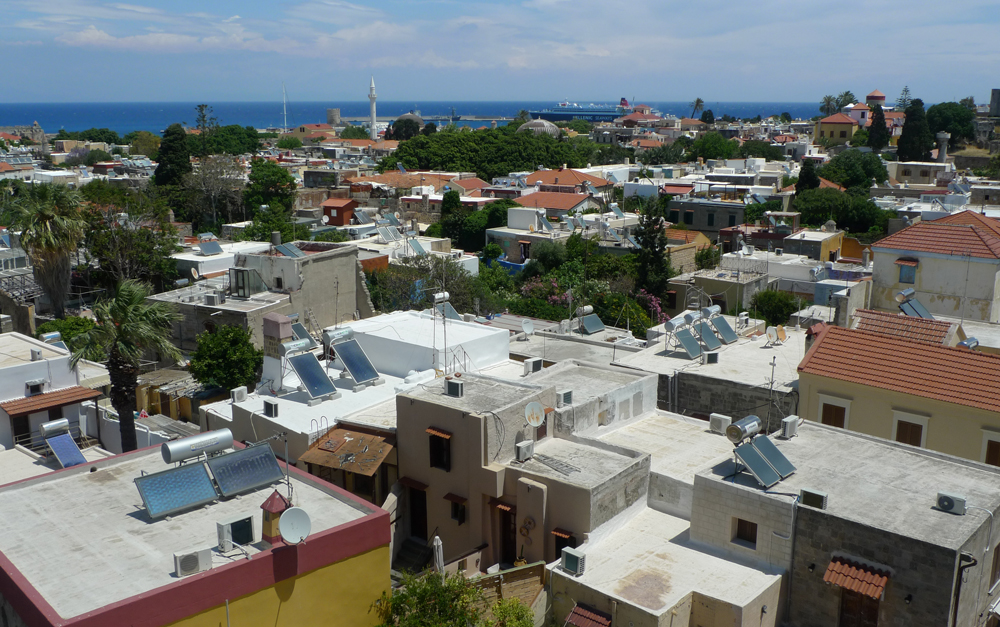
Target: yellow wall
[
  {"x": 824, "y": 130},
  {"x": 338, "y": 595},
  {"x": 953, "y": 429}
]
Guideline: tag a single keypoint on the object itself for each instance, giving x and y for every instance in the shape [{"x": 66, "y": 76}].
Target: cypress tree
[
  {"x": 878, "y": 134},
  {"x": 808, "y": 179},
  {"x": 174, "y": 157},
  {"x": 916, "y": 141}
]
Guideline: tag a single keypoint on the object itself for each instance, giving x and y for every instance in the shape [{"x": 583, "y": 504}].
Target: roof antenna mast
[{"x": 284, "y": 108}]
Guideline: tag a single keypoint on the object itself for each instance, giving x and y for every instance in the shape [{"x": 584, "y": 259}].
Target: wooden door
[
  {"x": 834, "y": 415},
  {"x": 508, "y": 536},
  {"x": 857, "y": 610},
  {"x": 418, "y": 514}
]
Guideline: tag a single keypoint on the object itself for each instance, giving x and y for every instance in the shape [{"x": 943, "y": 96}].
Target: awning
[
  {"x": 412, "y": 483},
  {"x": 49, "y": 400},
  {"x": 497, "y": 503},
  {"x": 454, "y": 498},
  {"x": 562, "y": 533},
  {"x": 586, "y": 616},
  {"x": 856, "y": 576},
  {"x": 913, "y": 263},
  {"x": 439, "y": 433},
  {"x": 345, "y": 449},
  {"x": 523, "y": 241}
]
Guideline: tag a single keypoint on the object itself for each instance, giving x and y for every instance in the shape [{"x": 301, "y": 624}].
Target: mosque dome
[
  {"x": 411, "y": 116},
  {"x": 539, "y": 127}
]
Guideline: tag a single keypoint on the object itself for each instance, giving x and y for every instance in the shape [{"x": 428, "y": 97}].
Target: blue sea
[{"x": 123, "y": 117}]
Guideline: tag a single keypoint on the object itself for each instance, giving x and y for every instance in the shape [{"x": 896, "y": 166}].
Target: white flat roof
[
  {"x": 20, "y": 463},
  {"x": 66, "y": 527},
  {"x": 412, "y": 327},
  {"x": 228, "y": 248}
]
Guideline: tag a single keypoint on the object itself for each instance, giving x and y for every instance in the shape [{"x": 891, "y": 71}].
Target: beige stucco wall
[
  {"x": 940, "y": 284},
  {"x": 950, "y": 428}
]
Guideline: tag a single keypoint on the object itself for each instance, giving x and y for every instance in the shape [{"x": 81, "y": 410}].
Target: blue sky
[{"x": 656, "y": 50}]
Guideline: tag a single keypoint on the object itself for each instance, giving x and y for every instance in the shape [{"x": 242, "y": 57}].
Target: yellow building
[
  {"x": 904, "y": 385},
  {"x": 838, "y": 128}
]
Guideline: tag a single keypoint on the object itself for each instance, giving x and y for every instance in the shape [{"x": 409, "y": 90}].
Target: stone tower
[{"x": 371, "y": 99}]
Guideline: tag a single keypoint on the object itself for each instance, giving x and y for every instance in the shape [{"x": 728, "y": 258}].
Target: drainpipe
[{"x": 958, "y": 584}]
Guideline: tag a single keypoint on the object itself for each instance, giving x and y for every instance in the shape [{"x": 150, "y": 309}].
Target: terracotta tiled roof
[
  {"x": 860, "y": 107},
  {"x": 337, "y": 202},
  {"x": 894, "y": 114},
  {"x": 898, "y": 325},
  {"x": 973, "y": 218},
  {"x": 688, "y": 121},
  {"x": 639, "y": 117},
  {"x": 876, "y": 94},
  {"x": 823, "y": 184},
  {"x": 470, "y": 184},
  {"x": 856, "y": 577},
  {"x": 9, "y": 137},
  {"x": 677, "y": 189},
  {"x": 682, "y": 235},
  {"x": 566, "y": 176},
  {"x": 316, "y": 126},
  {"x": 557, "y": 201},
  {"x": 6, "y": 167},
  {"x": 403, "y": 181},
  {"x": 48, "y": 400},
  {"x": 944, "y": 239},
  {"x": 942, "y": 373},
  {"x": 838, "y": 118},
  {"x": 586, "y": 616},
  {"x": 783, "y": 139},
  {"x": 275, "y": 504}
]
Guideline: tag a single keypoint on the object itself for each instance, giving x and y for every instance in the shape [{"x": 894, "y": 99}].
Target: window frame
[
  {"x": 911, "y": 275},
  {"x": 826, "y": 399},
  {"x": 988, "y": 436},
  {"x": 917, "y": 419},
  {"x": 710, "y": 218},
  {"x": 459, "y": 513},
  {"x": 440, "y": 452},
  {"x": 742, "y": 531}
]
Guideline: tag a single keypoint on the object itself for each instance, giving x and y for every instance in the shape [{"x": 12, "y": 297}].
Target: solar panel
[
  {"x": 393, "y": 220},
  {"x": 395, "y": 235},
  {"x": 355, "y": 360},
  {"x": 690, "y": 345},
  {"x": 65, "y": 449},
  {"x": 591, "y": 324},
  {"x": 725, "y": 331},
  {"x": 363, "y": 218},
  {"x": 417, "y": 248},
  {"x": 712, "y": 343},
  {"x": 614, "y": 234},
  {"x": 311, "y": 374},
  {"x": 299, "y": 331},
  {"x": 920, "y": 309},
  {"x": 384, "y": 234},
  {"x": 246, "y": 469},
  {"x": 448, "y": 311},
  {"x": 60, "y": 344},
  {"x": 618, "y": 212},
  {"x": 6, "y": 239},
  {"x": 210, "y": 248},
  {"x": 176, "y": 490},
  {"x": 775, "y": 458},
  {"x": 632, "y": 241},
  {"x": 757, "y": 465},
  {"x": 546, "y": 224}
]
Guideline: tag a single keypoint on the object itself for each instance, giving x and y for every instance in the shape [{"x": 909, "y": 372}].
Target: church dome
[{"x": 539, "y": 127}]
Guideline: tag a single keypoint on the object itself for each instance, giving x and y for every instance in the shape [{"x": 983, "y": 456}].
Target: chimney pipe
[{"x": 275, "y": 238}]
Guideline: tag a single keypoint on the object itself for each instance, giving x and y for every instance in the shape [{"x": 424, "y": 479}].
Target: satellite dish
[
  {"x": 528, "y": 327},
  {"x": 534, "y": 414},
  {"x": 294, "y": 525},
  {"x": 194, "y": 273},
  {"x": 396, "y": 214},
  {"x": 325, "y": 219}
]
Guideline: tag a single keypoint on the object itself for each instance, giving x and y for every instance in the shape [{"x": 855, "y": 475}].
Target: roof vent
[{"x": 36, "y": 354}]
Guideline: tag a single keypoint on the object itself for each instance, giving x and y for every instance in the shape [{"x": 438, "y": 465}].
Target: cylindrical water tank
[
  {"x": 743, "y": 429},
  {"x": 275, "y": 238},
  {"x": 708, "y": 312},
  {"x": 209, "y": 442},
  {"x": 585, "y": 310},
  {"x": 692, "y": 316},
  {"x": 52, "y": 427},
  {"x": 54, "y": 336}
]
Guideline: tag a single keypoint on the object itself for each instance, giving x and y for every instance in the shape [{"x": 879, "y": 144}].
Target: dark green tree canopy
[
  {"x": 708, "y": 117},
  {"x": 761, "y": 149},
  {"x": 878, "y": 133},
  {"x": 354, "y": 132},
  {"x": 401, "y": 130},
  {"x": 92, "y": 135},
  {"x": 269, "y": 184},
  {"x": 776, "y": 307},
  {"x": 857, "y": 214},
  {"x": 808, "y": 179},
  {"x": 712, "y": 145},
  {"x": 853, "y": 168},
  {"x": 916, "y": 141},
  {"x": 175, "y": 157},
  {"x": 289, "y": 143},
  {"x": 954, "y": 118},
  {"x": 226, "y": 358}
]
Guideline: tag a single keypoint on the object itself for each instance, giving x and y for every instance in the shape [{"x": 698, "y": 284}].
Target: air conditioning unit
[
  {"x": 789, "y": 427},
  {"x": 779, "y": 252},
  {"x": 565, "y": 397},
  {"x": 951, "y": 503},
  {"x": 454, "y": 387},
  {"x": 812, "y": 498},
  {"x": 525, "y": 450},
  {"x": 710, "y": 357},
  {"x": 212, "y": 299},
  {"x": 221, "y": 296},
  {"x": 192, "y": 562},
  {"x": 36, "y": 354},
  {"x": 573, "y": 561},
  {"x": 750, "y": 250},
  {"x": 238, "y": 531},
  {"x": 270, "y": 408},
  {"x": 719, "y": 422},
  {"x": 532, "y": 365},
  {"x": 238, "y": 395}
]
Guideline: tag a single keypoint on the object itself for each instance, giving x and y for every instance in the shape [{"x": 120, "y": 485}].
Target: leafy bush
[
  {"x": 69, "y": 327},
  {"x": 774, "y": 306}
]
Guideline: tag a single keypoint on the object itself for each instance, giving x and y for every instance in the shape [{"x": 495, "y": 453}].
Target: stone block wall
[{"x": 700, "y": 396}]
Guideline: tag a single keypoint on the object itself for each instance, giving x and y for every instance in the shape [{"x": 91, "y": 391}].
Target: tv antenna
[{"x": 294, "y": 525}]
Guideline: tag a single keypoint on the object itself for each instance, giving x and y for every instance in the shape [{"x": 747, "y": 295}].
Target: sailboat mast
[{"x": 284, "y": 107}]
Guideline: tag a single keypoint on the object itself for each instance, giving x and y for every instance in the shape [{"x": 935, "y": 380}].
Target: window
[
  {"x": 689, "y": 217},
  {"x": 857, "y": 610},
  {"x": 671, "y": 299},
  {"x": 843, "y": 133},
  {"x": 440, "y": 452},
  {"x": 710, "y": 217},
  {"x": 56, "y": 413},
  {"x": 991, "y": 448},
  {"x": 925, "y": 173},
  {"x": 674, "y": 216},
  {"x": 833, "y": 411},
  {"x": 458, "y": 512},
  {"x": 543, "y": 429},
  {"x": 745, "y": 533},
  {"x": 908, "y": 274},
  {"x": 732, "y": 219},
  {"x": 564, "y": 539},
  {"x": 364, "y": 485},
  {"x": 907, "y": 172},
  {"x": 909, "y": 428},
  {"x": 34, "y": 388},
  {"x": 278, "y": 283}
]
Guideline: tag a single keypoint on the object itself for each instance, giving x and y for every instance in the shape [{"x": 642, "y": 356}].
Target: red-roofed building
[
  {"x": 467, "y": 186},
  {"x": 823, "y": 184},
  {"x": 9, "y": 137},
  {"x": 303, "y": 131},
  {"x": 837, "y": 128},
  {"x": 915, "y": 392},
  {"x": 564, "y": 177},
  {"x": 556, "y": 203},
  {"x": 952, "y": 264},
  {"x": 875, "y": 98},
  {"x": 938, "y": 332},
  {"x": 339, "y": 210},
  {"x": 861, "y": 113}
]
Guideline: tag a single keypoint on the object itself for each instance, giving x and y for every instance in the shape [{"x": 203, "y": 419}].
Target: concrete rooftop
[
  {"x": 83, "y": 540},
  {"x": 587, "y": 466},
  {"x": 16, "y": 349},
  {"x": 20, "y": 463},
  {"x": 587, "y": 381},
  {"x": 481, "y": 393}
]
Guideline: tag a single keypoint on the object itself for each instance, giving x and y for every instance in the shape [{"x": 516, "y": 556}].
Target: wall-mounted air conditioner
[
  {"x": 270, "y": 408},
  {"x": 573, "y": 561},
  {"x": 813, "y": 498},
  {"x": 192, "y": 562},
  {"x": 212, "y": 299},
  {"x": 719, "y": 422},
  {"x": 238, "y": 530},
  {"x": 951, "y": 503},
  {"x": 789, "y": 427},
  {"x": 454, "y": 387},
  {"x": 238, "y": 395},
  {"x": 710, "y": 357},
  {"x": 525, "y": 450},
  {"x": 564, "y": 397},
  {"x": 532, "y": 365}
]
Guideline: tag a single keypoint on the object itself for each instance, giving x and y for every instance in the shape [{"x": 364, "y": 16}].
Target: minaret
[{"x": 371, "y": 99}]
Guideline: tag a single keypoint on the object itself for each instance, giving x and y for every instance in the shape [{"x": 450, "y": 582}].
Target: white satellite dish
[
  {"x": 194, "y": 273},
  {"x": 772, "y": 334},
  {"x": 528, "y": 327},
  {"x": 534, "y": 414},
  {"x": 294, "y": 525},
  {"x": 325, "y": 219}
]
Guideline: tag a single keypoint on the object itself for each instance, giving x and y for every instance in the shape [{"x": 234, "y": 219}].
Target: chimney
[
  {"x": 942, "y": 142},
  {"x": 273, "y": 507},
  {"x": 275, "y": 238},
  {"x": 277, "y": 330}
]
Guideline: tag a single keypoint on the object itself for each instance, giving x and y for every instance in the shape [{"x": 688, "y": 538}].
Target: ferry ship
[{"x": 566, "y": 111}]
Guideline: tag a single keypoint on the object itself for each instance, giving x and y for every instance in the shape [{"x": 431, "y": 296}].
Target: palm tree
[
  {"x": 127, "y": 327},
  {"x": 51, "y": 229},
  {"x": 697, "y": 106},
  {"x": 828, "y": 106},
  {"x": 845, "y": 98}
]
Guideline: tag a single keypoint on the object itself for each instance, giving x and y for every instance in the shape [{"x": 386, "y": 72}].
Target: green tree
[
  {"x": 904, "y": 100},
  {"x": 289, "y": 143},
  {"x": 133, "y": 239},
  {"x": 102, "y": 135},
  {"x": 548, "y": 255},
  {"x": 828, "y": 106},
  {"x": 808, "y": 179},
  {"x": 761, "y": 149},
  {"x": 401, "y": 130},
  {"x": 916, "y": 141},
  {"x": 52, "y": 228},
  {"x": 653, "y": 263},
  {"x": 491, "y": 251},
  {"x": 127, "y": 327},
  {"x": 69, "y": 328},
  {"x": 207, "y": 124},
  {"x": 785, "y": 117},
  {"x": 332, "y": 235},
  {"x": 860, "y": 138},
  {"x": 511, "y": 613},
  {"x": 354, "y": 132},
  {"x": 845, "y": 98},
  {"x": 878, "y": 133},
  {"x": 696, "y": 106},
  {"x": 429, "y": 129},
  {"x": 853, "y": 168},
  {"x": 954, "y": 118},
  {"x": 712, "y": 145},
  {"x": 430, "y": 600},
  {"x": 174, "y": 157},
  {"x": 451, "y": 203},
  {"x": 774, "y": 306},
  {"x": 666, "y": 153},
  {"x": 969, "y": 102},
  {"x": 708, "y": 117},
  {"x": 708, "y": 257},
  {"x": 215, "y": 186},
  {"x": 271, "y": 218},
  {"x": 269, "y": 184},
  {"x": 226, "y": 358},
  {"x": 580, "y": 126},
  {"x": 144, "y": 143}
]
